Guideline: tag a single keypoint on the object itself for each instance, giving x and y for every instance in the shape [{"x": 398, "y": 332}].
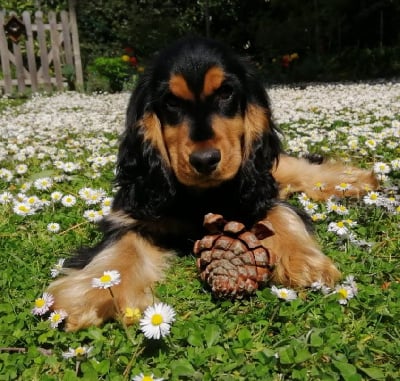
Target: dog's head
[{"x": 199, "y": 116}]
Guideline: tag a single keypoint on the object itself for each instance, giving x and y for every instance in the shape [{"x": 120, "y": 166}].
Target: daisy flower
[
  {"x": 56, "y": 270},
  {"x": 57, "y": 317},
  {"x": 142, "y": 377},
  {"x": 21, "y": 169},
  {"x": 23, "y": 209},
  {"x": 56, "y": 196},
  {"x": 156, "y": 321},
  {"x": 310, "y": 207},
  {"x": 371, "y": 144},
  {"x": 372, "y": 198},
  {"x": 107, "y": 280},
  {"x": 43, "y": 304},
  {"x": 68, "y": 200},
  {"x": 6, "y": 174},
  {"x": 53, "y": 227},
  {"x": 339, "y": 228},
  {"x": 395, "y": 164},
  {"x": 93, "y": 215},
  {"x": 319, "y": 186},
  {"x": 345, "y": 293},
  {"x": 343, "y": 187},
  {"x": 381, "y": 168},
  {"x": 318, "y": 217},
  {"x": 43, "y": 183},
  {"x": 284, "y": 293},
  {"x": 78, "y": 352},
  {"x": 5, "y": 198}
]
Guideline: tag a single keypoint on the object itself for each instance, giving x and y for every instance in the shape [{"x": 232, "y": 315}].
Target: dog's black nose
[{"x": 205, "y": 161}]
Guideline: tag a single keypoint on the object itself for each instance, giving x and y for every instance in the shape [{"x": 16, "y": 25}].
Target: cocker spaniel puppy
[{"x": 199, "y": 138}]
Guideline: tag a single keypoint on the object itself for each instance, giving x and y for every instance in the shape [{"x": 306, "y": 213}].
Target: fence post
[
  {"x": 4, "y": 54},
  {"x": 30, "y": 51},
  {"x": 75, "y": 45}
]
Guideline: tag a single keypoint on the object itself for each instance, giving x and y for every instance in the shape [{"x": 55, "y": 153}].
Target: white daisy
[
  {"x": 23, "y": 209},
  {"x": 56, "y": 270},
  {"x": 57, "y": 317},
  {"x": 339, "y": 228},
  {"x": 142, "y": 377},
  {"x": 6, "y": 197},
  {"x": 93, "y": 215},
  {"x": 284, "y": 293},
  {"x": 56, "y": 196},
  {"x": 53, "y": 227},
  {"x": 372, "y": 198},
  {"x": 44, "y": 183},
  {"x": 21, "y": 169},
  {"x": 157, "y": 319},
  {"x": 381, "y": 168},
  {"x": 68, "y": 200},
  {"x": 78, "y": 352},
  {"x": 345, "y": 293},
  {"x": 107, "y": 280},
  {"x": 43, "y": 304}
]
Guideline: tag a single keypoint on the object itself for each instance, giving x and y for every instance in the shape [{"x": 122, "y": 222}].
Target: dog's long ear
[
  {"x": 261, "y": 149},
  {"x": 145, "y": 180}
]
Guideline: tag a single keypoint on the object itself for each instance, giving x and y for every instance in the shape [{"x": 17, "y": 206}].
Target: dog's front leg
[
  {"x": 140, "y": 265},
  {"x": 298, "y": 259}
]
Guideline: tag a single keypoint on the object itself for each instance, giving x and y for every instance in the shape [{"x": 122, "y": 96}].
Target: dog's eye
[
  {"x": 172, "y": 102},
  {"x": 225, "y": 92}
]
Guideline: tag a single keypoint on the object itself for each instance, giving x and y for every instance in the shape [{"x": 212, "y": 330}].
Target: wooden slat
[
  {"x": 19, "y": 66},
  {"x": 75, "y": 45},
  {"x": 44, "y": 70},
  {"x": 69, "y": 60},
  {"x": 55, "y": 49},
  {"x": 30, "y": 51},
  {"x": 5, "y": 64}
]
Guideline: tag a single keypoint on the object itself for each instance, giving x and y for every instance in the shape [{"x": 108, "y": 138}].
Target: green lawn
[{"x": 67, "y": 143}]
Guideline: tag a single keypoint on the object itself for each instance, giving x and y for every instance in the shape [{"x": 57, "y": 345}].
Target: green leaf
[
  {"x": 181, "y": 367},
  {"x": 302, "y": 355},
  {"x": 212, "y": 334},
  {"x": 286, "y": 355},
  {"x": 195, "y": 338},
  {"x": 374, "y": 373},
  {"x": 347, "y": 371},
  {"x": 316, "y": 340}
]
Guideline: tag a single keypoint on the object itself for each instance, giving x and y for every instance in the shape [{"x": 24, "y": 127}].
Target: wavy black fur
[{"x": 148, "y": 189}]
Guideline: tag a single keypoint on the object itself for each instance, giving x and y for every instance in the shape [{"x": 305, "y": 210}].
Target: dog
[{"x": 199, "y": 138}]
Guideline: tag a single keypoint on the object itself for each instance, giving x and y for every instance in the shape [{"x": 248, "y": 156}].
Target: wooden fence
[{"x": 45, "y": 54}]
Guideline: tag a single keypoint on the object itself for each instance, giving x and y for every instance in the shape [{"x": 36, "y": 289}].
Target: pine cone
[{"x": 231, "y": 259}]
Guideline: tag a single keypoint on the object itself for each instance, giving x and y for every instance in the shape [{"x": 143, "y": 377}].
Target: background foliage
[{"x": 335, "y": 39}]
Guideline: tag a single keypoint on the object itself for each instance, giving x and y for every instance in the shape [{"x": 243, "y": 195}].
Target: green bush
[{"x": 108, "y": 74}]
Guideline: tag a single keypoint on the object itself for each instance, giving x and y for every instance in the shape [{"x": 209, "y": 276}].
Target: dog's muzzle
[{"x": 205, "y": 161}]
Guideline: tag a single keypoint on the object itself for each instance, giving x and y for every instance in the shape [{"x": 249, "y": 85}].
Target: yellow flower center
[
  {"x": 284, "y": 294},
  {"x": 105, "y": 278},
  {"x": 79, "y": 351},
  {"x": 156, "y": 319},
  {"x": 55, "y": 318},
  {"x": 147, "y": 378},
  {"x": 374, "y": 196},
  {"x": 343, "y": 293},
  {"x": 40, "y": 302},
  {"x": 340, "y": 224}
]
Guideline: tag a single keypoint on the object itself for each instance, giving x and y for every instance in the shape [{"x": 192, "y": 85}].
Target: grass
[{"x": 313, "y": 337}]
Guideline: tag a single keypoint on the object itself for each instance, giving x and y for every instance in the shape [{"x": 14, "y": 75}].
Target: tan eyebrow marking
[
  {"x": 212, "y": 80},
  {"x": 180, "y": 88}
]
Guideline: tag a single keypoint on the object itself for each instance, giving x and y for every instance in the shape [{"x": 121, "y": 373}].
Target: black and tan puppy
[{"x": 199, "y": 138}]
